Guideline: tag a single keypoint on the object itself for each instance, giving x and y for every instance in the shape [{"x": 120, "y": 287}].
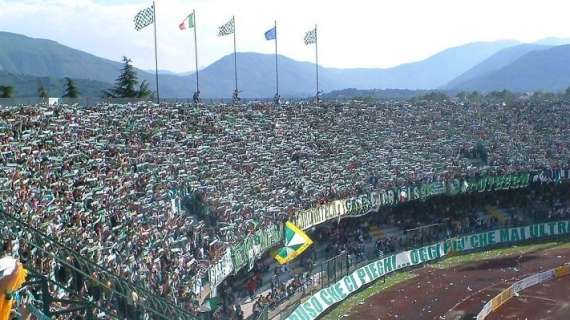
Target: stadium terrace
[{"x": 101, "y": 180}]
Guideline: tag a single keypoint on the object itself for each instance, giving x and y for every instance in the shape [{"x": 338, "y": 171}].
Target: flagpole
[
  {"x": 155, "y": 52},
  {"x": 196, "y": 50},
  {"x": 235, "y": 55},
  {"x": 317, "y": 59},
  {"x": 276, "y": 62}
]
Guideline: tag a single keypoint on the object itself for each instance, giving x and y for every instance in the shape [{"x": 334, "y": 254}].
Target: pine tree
[
  {"x": 70, "y": 89},
  {"x": 42, "y": 92},
  {"x": 144, "y": 91},
  {"x": 127, "y": 83},
  {"x": 6, "y": 92}
]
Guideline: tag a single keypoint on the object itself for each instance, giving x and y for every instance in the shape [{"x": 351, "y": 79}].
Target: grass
[
  {"x": 344, "y": 307},
  {"x": 498, "y": 253}
]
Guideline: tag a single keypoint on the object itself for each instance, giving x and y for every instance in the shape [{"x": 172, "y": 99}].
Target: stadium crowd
[
  {"x": 416, "y": 224},
  {"x": 100, "y": 179}
]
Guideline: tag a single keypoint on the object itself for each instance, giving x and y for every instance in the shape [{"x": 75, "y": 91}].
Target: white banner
[
  {"x": 220, "y": 271},
  {"x": 337, "y": 292}
]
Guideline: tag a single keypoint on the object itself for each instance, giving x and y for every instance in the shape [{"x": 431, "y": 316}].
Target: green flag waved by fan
[{"x": 296, "y": 242}]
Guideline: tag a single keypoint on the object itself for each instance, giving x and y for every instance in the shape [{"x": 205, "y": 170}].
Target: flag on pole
[
  {"x": 144, "y": 18},
  {"x": 271, "y": 34},
  {"x": 296, "y": 242},
  {"x": 188, "y": 22},
  {"x": 311, "y": 37},
  {"x": 227, "y": 29}
]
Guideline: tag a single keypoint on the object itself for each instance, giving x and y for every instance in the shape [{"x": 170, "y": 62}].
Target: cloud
[{"x": 357, "y": 33}]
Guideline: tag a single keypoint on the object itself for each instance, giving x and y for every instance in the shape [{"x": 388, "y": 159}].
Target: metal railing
[{"x": 122, "y": 299}]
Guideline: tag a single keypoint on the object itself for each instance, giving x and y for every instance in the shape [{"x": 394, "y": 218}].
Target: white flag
[
  {"x": 144, "y": 18},
  {"x": 227, "y": 28},
  {"x": 311, "y": 36}
]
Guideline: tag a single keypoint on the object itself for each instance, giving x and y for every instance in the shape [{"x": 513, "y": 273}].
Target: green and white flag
[
  {"x": 144, "y": 18},
  {"x": 188, "y": 22},
  {"x": 311, "y": 36},
  {"x": 228, "y": 28}
]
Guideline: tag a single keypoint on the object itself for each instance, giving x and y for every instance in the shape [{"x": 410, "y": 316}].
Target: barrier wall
[
  {"x": 325, "y": 298},
  {"x": 519, "y": 286}
]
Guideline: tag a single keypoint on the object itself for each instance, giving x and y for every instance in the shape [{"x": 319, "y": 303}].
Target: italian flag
[{"x": 188, "y": 22}]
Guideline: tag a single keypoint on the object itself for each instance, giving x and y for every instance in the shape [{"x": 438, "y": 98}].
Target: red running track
[{"x": 460, "y": 292}]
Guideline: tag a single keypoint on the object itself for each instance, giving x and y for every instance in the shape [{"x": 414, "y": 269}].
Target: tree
[
  {"x": 6, "y": 92},
  {"x": 144, "y": 91},
  {"x": 127, "y": 83},
  {"x": 42, "y": 92},
  {"x": 70, "y": 89}
]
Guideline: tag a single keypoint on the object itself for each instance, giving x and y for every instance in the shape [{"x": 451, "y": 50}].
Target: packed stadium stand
[{"x": 153, "y": 196}]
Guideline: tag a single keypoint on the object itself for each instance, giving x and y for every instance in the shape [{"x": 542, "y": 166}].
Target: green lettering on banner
[
  {"x": 483, "y": 242},
  {"x": 504, "y": 233},
  {"x": 522, "y": 233},
  {"x": 499, "y": 183},
  {"x": 489, "y": 183},
  {"x": 390, "y": 264},
  {"x": 423, "y": 254},
  {"x": 361, "y": 275},
  {"x": 508, "y": 181},
  {"x": 332, "y": 294},
  {"x": 551, "y": 228},
  {"x": 433, "y": 252},
  {"x": 380, "y": 267},
  {"x": 340, "y": 290},
  {"x": 491, "y": 237},
  {"x": 317, "y": 305},
  {"x": 368, "y": 273},
  {"x": 534, "y": 231},
  {"x": 474, "y": 241},
  {"x": 353, "y": 280},
  {"x": 483, "y": 182},
  {"x": 325, "y": 296},
  {"x": 302, "y": 313},
  {"x": 415, "y": 257},
  {"x": 460, "y": 244},
  {"x": 373, "y": 271},
  {"x": 348, "y": 284},
  {"x": 310, "y": 311},
  {"x": 448, "y": 246},
  {"x": 562, "y": 228},
  {"x": 542, "y": 230},
  {"x": 515, "y": 234},
  {"x": 374, "y": 199}
]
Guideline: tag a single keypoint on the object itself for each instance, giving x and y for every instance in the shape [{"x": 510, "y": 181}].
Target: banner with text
[
  {"x": 337, "y": 292},
  {"x": 364, "y": 204}
]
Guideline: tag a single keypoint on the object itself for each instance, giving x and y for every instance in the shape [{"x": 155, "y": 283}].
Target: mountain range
[{"x": 486, "y": 66}]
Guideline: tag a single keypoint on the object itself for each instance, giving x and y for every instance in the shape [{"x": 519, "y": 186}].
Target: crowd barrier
[
  {"x": 519, "y": 286},
  {"x": 327, "y": 297},
  {"x": 246, "y": 252}
]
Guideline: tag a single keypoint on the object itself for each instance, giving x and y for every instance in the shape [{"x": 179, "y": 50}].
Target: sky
[{"x": 352, "y": 33}]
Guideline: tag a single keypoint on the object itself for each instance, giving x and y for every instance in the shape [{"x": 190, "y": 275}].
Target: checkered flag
[
  {"x": 311, "y": 37},
  {"x": 227, "y": 28},
  {"x": 144, "y": 18}
]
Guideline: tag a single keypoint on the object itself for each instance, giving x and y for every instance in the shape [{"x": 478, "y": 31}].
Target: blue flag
[{"x": 271, "y": 34}]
